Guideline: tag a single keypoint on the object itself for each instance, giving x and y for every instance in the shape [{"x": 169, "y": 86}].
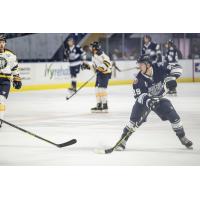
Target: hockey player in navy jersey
[
  {"x": 152, "y": 49},
  {"x": 76, "y": 56},
  {"x": 8, "y": 71},
  {"x": 171, "y": 60},
  {"x": 149, "y": 87}
]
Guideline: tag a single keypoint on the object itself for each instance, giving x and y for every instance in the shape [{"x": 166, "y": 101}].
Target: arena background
[{"x": 43, "y": 66}]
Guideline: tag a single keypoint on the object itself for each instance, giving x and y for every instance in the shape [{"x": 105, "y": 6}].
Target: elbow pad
[{"x": 175, "y": 70}]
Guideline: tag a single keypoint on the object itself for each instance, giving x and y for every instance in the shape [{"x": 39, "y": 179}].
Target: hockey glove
[
  {"x": 152, "y": 103},
  {"x": 17, "y": 83},
  {"x": 85, "y": 66}
]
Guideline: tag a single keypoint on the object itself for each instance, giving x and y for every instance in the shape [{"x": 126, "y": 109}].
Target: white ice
[{"x": 49, "y": 115}]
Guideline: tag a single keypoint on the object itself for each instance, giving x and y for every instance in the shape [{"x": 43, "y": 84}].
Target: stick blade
[{"x": 70, "y": 142}]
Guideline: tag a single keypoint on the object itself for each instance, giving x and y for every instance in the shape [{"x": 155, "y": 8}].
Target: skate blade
[
  {"x": 104, "y": 111},
  {"x": 96, "y": 111},
  {"x": 190, "y": 148},
  {"x": 71, "y": 91}
]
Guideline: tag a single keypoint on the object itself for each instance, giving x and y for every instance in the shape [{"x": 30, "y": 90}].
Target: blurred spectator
[{"x": 116, "y": 54}]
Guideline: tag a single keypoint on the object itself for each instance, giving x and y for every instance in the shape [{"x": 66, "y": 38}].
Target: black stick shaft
[
  {"x": 28, "y": 132},
  {"x": 81, "y": 87},
  {"x": 117, "y": 68},
  {"x": 123, "y": 70}
]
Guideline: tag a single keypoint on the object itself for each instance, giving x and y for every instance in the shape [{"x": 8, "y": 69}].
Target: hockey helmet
[
  {"x": 3, "y": 37},
  {"x": 70, "y": 38},
  {"x": 148, "y": 37},
  {"x": 96, "y": 46},
  {"x": 170, "y": 41}
]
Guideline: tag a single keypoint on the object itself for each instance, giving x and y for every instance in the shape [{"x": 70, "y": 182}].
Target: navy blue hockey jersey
[
  {"x": 145, "y": 87},
  {"x": 153, "y": 50},
  {"x": 75, "y": 55},
  {"x": 171, "y": 56}
]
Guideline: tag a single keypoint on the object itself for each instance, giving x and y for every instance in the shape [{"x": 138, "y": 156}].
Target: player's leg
[
  {"x": 73, "y": 79},
  {"x": 173, "y": 91},
  {"x": 103, "y": 85},
  {"x": 166, "y": 111},
  {"x": 73, "y": 72},
  {"x": 98, "y": 107},
  {"x": 4, "y": 92},
  {"x": 138, "y": 116},
  {"x": 175, "y": 72}
]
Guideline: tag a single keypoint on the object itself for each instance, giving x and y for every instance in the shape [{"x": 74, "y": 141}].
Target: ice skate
[
  {"x": 105, "y": 108},
  {"x": 72, "y": 90},
  {"x": 186, "y": 142},
  {"x": 97, "y": 109}
]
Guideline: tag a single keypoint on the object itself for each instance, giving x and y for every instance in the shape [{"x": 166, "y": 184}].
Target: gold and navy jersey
[
  {"x": 8, "y": 64},
  {"x": 75, "y": 55},
  {"x": 102, "y": 63}
]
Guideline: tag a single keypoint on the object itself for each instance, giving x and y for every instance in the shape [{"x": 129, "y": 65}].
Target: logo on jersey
[
  {"x": 3, "y": 63},
  {"x": 156, "y": 89}
]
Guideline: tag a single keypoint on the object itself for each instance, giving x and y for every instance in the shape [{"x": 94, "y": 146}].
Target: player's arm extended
[
  {"x": 83, "y": 55},
  {"x": 15, "y": 66},
  {"x": 17, "y": 82}
]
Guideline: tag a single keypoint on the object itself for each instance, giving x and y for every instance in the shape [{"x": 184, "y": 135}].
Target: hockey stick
[
  {"x": 115, "y": 66},
  {"x": 70, "y": 142},
  {"x": 67, "y": 98},
  {"x": 110, "y": 150},
  {"x": 123, "y": 70}
]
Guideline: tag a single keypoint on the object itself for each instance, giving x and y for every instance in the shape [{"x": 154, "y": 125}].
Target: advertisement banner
[{"x": 59, "y": 73}]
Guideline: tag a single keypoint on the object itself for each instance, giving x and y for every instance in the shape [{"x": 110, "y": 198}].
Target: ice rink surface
[{"x": 49, "y": 115}]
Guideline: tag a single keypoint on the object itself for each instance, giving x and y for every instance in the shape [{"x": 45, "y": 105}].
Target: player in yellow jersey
[
  {"x": 8, "y": 72},
  {"x": 102, "y": 65}
]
